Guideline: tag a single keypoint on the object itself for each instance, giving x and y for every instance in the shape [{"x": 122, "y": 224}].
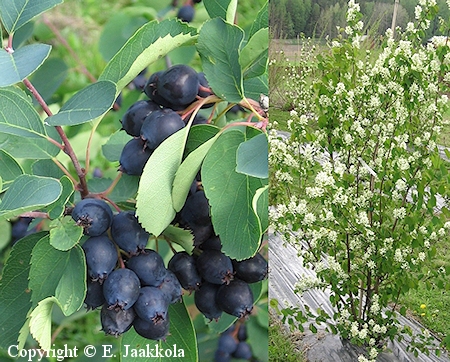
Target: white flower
[
  {"x": 417, "y": 11},
  {"x": 309, "y": 219},
  {"x": 399, "y": 213},
  {"x": 400, "y": 185}
]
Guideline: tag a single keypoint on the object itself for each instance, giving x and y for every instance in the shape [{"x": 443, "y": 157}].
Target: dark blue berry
[
  {"x": 116, "y": 322},
  {"x": 178, "y": 85},
  {"x": 160, "y": 125},
  {"x": 149, "y": 267},
  {"x": 101, "y": 257},
  {"x": 251, "y": 270},
  {"x": 152, "y": 304},
  {"x": 94, "y": 295},
  {"x": 243, "y": 351},
  {"x": 227, "y": 343},
  {"x": 183, "y": 265},
  {"x": 205, "y": 300},
  {"x": 127, "y": 233},
  {"x": 171, "y": 287},
  {"x": 215, "y": 267},
  {"x": 121, "y": 289},
  {"x": 235, "y": 298},
  {"x": 186, "y": 13},
  {"x": 134, "y": 117},
  {"x": 152, "y": 330},
  {"x": 134, "y": 156},
  {"x": 94, "y": 215}
]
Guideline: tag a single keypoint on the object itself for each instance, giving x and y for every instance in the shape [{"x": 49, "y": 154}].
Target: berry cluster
[
  {"x": 151, "y": 121},
  {"x": 232, "y": 344},
  {"x": 140, "y": 290}
]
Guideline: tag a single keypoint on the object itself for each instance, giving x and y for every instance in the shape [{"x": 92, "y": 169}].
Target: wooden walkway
[{"x": 286, "y": 268}]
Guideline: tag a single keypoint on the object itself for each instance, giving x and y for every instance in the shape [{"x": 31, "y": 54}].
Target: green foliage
[{"x": 60, "y": 142}]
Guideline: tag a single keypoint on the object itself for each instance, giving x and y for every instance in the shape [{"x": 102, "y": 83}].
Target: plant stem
[
  {"x": 63, "y": 169},
  {"x": 35, "y": 215},
  {"x": 82, "y": 186},
  {"x": 110, "y": 188}
]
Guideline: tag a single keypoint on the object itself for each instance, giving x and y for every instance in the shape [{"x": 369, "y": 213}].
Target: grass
[{"x": 282, "y": 347}]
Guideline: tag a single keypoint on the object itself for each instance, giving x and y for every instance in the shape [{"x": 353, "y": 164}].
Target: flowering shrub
[{"x": 357, "y": 185}]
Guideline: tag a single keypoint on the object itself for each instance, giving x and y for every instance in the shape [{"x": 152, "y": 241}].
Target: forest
[{"x": 320, "y": 18}]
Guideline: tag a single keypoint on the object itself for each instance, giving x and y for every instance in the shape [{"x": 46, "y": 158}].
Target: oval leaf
[
  {"x": 252, "y": 157},
  {"x": 29, "y": 193},
  {"x": 18, "y": 116},
  {"x": 187, "y": 172},
  {"x": 88, "y": 104},
  {"x": 16, "y": 13},
  {"x": 64, "y": 233},
  {"x": 154, "y": 205},
  {"x": 230, "y": 195},
  {"x": 225, "y": 9},
  {"x": 218, "y": 45},
  {"x": 9, "y": 170},
  {"x": 15, "y": 297},
  {"x": 151, "y": 42},
  {"x": 41, "y": 322},
  {"x": 23, "y": 62}
]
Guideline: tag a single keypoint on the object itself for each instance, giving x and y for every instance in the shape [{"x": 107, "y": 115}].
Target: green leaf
[
  {"x": 252, "y": 157},
  {"x": 261, "y": 206},
  {"x": 27, "y": 147},
  {"x": 41, "y": 322},
  {"x": 154, "y": 205},
  {"x": 87, "y": 105},
  {"x": 71, "y": 289},
  {"x": 47, "y": 267},
  {"x": 125, "y": 189},
  {"x": 20, "y": 64},
  {"x": 29, "y": 193},
  {"x": 199, "y": 134},
  {"x": 46, "y": 168},
  {"x": 15, "y": 297},
  {"x": 180, "y": 236},
  {"x": 5, "y": 235},
  {"x": 151, "y": 42},
  {"x": 64, "y": 233},
  {"x": 16, "y": 13},
  {"x": 59, "y": 274},
  {"x": 57, "y": 209},
  {"x": 256, "y": 86},
  {"x": 181, "y": 336},
  {"x": 254, "y": 56},
  {"x": 18, "y": 116},
  {"x": 9, "y": 170},
  {"x": 230, "y": 195},
  {"x": 112, "y": 149},
  {"x": 186, "y": 173},
  {"x": 218, "y": 45},
  {"x": 261, "y": 21},
  {"x": 49, "y": 77},
  {"x": 225, "y": 9}
]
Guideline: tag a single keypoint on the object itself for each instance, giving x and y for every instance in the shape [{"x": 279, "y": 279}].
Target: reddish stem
[
  {"x": 82, "y": 186},
  {"x": 35, "y": 215},
  {"x": 111, "y": 202}
]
